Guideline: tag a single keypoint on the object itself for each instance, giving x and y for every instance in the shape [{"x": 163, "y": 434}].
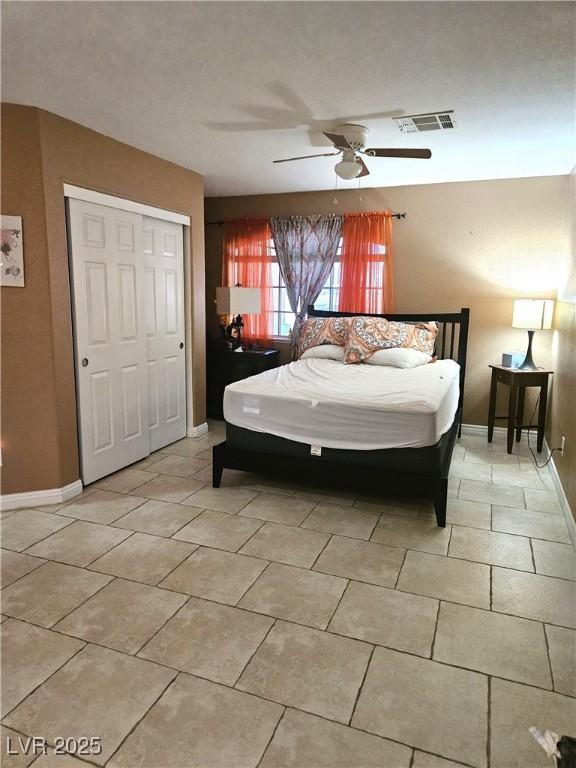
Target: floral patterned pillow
[
  {"x": 367, "y": 335},
  {"x": 323, "y": 330}
]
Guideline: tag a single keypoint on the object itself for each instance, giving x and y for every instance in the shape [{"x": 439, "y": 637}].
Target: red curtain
[
  {"x": 247, "y": 260},
  {"x": 367, "y": 280}
]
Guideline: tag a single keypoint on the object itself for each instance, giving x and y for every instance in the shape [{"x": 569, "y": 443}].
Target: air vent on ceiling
[{"x": 435, "y": 121}]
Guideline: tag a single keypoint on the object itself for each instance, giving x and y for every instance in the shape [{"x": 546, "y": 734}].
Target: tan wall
[
  {"x": 562, "y": 415},
  {"x": 30, "y": 444},
  {"x": 40, "y": 152},
  {"x": 471, "y": 244}
]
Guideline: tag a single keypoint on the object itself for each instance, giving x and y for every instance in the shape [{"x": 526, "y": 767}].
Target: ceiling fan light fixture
[{"x": 348, "y": 169}]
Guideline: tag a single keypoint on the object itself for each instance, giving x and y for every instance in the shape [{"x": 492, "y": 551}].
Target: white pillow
[
  {"x": 325, "y": 352},
  {"x": 399, "y": 357}
]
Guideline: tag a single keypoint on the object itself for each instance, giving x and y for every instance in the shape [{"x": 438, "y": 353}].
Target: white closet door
[
  {"x": 110, "y": 337},
  {"x": 164, "y": 321}
]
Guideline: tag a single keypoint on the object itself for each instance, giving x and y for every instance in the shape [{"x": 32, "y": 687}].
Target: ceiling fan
[{"x": 350, "y": 141}]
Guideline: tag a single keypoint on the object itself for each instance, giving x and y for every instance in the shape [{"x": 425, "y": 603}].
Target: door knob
[
  {"x": 84, "y": 362},
  {"x": 181, "y": 345}
]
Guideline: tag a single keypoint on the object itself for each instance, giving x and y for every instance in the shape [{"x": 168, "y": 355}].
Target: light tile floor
[{"x": 274, "y": 624}]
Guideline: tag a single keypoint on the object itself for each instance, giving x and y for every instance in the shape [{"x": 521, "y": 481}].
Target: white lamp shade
[
  {"x": 237, "y": 301},
  {"x": 533, "y": 314}
]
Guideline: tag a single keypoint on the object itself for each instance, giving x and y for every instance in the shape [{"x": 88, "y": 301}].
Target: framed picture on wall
[{"x": 11, "y": 252}]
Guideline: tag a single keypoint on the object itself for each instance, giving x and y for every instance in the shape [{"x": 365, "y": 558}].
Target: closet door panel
[
  {"x": 110, "y": 337},
  {"x": 164, "y": 265}
]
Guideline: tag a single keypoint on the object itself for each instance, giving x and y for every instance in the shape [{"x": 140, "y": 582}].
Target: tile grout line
[
  {"x": 51, "y": 627},
  {"x": 271, "y": 739},
  {"x": 30, "y": 693},
  {"x": 92, "y": 569},
  {"x": 171, "y": 571},
  {"x": 108, "y": 550},
  {"x": 449, "y": 540},
  {"x": 65, "y": 616},
  {"x": 249, "y": 587},
  {"x": 403, "y": 591},
  {"x": 461, "y": 559},
  {"x": 353, "y": 538},
  {"x": 121, "y": 528},
  {"x": 481, "y": 608},
  {"x": 328, "y": 720},
  {"x": 252, "y": 655},
  {"x": 275, "y": 621},
  {"x": 443, "y": 663},
  {"x": 549, "y": 657},
  {"x": 433, "y": 645},
  {"x": 172, "y": 535},
  {"x": 60, "y": 512},
  {"x": 326, "y": 628},
  {"x": 2, "y": 587},
  {"x": 301, "y": 523},
  {"x": 341, "y": 535},
  {"x": 24, "y": 551},
  {"x": 400, "y": 570},
  {"x": 76, "y": 565},
  {"x": 249, "y": 539},
  {"x": 281, "y": 703},
  {"x": 532, "y": 554},
  {"x": 160, "y": 628},
  {"x": 137, "y": 723},
  {"x": 319, "y": 555},
  {"x": 361, "y": 686}
]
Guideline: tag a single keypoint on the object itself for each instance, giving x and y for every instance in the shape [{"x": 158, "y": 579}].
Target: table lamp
[
  {"x": 533, "y": 315},
  {"x": 237, "y": 301}
]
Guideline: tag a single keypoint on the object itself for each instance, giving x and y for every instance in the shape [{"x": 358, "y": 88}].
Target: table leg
[
  {"x": 542, "y": 416},
  {"x": 492, "y": 407},
  {"x": 511, "y": 415},
  {"x": 520, "y": 413}
]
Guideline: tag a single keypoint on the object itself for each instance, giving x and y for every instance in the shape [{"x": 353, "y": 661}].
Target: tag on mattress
[
  {"x": 315, "y": 450},
  {"x": 247, "y": 409}
]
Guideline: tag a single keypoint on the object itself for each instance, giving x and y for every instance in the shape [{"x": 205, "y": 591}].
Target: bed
[{"x": 388, "y": 431}]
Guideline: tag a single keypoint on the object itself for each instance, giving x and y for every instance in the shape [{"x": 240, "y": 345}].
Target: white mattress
[{"x": 360, "y": 407}]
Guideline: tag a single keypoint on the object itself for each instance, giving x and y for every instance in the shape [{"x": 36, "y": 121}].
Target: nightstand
[
  {"x": 517, "y": 380},
  {"x": 225, "y": 366}
]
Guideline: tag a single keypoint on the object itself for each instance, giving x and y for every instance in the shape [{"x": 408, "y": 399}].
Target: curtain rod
[{"x": 399, "y": 216}]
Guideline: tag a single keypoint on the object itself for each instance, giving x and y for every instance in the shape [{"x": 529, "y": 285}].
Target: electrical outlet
[{"x": 562, "y": 445}]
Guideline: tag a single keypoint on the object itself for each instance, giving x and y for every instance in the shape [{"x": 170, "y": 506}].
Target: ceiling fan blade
[
  {"x": 423, "y": 154},
  {"x": 304, "y": 157},
  {"x": 340, "y": 142},
  {"x": 365, "y": 171}
]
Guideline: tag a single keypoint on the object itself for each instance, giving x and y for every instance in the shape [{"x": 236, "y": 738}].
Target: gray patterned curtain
[{"x": 306, "y": 248}]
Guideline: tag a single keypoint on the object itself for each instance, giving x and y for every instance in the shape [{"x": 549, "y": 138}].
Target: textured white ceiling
[{"x": 225, "y": 88}]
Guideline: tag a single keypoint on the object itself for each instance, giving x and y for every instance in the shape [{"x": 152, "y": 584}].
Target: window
[{"x": 282, "y": 315}]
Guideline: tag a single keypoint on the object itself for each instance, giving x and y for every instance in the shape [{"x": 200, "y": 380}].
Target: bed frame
[{"x": 417, "y": 471}]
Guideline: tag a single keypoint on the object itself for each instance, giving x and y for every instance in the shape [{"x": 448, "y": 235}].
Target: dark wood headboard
[{"x": 451, "y": 342}]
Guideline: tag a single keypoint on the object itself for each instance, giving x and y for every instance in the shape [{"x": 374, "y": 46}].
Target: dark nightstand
[
  {"x": 518, "y": 380},
  {"x": 224, "y": 367}
]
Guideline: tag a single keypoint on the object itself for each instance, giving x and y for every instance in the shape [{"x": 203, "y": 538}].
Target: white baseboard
[
  {"x": 201, "y": 429},
  {"x": 38, "y": 498},
  {"x": 482, "y": 431},
  {"x": 564, "y": 504}
]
